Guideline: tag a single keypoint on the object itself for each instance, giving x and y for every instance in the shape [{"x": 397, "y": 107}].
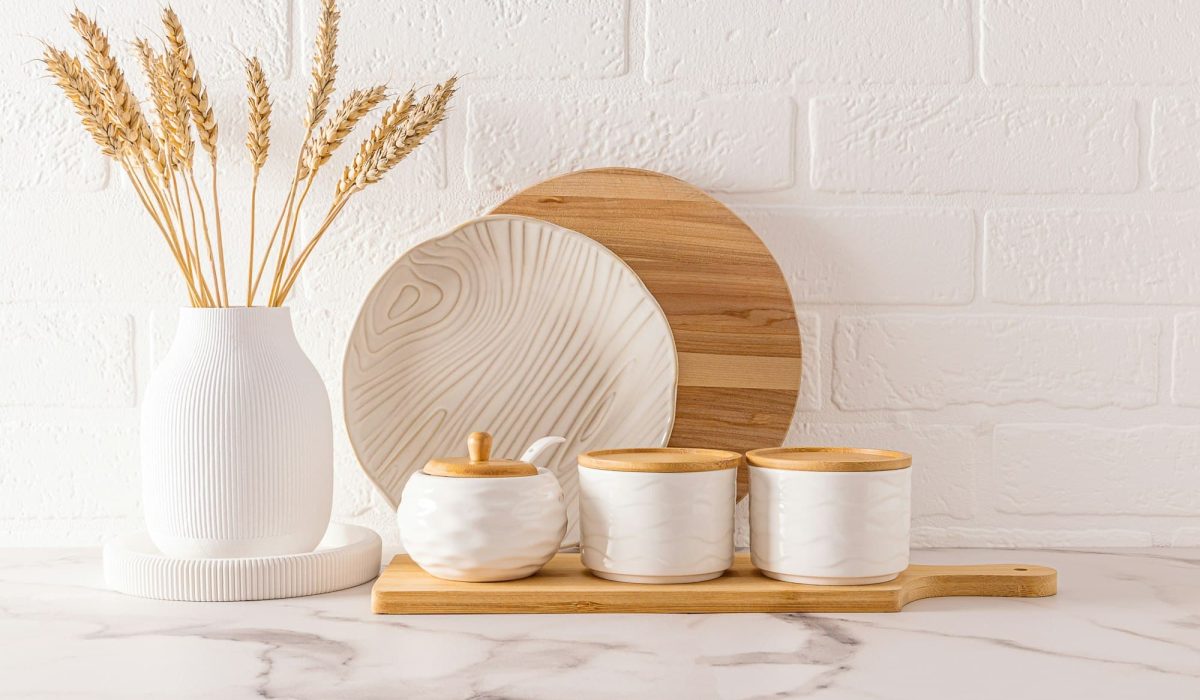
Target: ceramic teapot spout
[{"x": 539, "y": 447}]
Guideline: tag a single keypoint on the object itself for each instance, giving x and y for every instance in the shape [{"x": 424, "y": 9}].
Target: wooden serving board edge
[{"x": 564, "y": 586}]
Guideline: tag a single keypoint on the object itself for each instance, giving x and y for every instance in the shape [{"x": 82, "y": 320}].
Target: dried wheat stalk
[
  {"x": 324, "y": 75},
  {"x": 205, "y": 122},
  {"x": 401, "y": 141},
  {"x": 84, "y": 93},
  {"x": 323, "y": 144},
  {"x": 384, "y": 156},
  {"x": 258, "y": 142},
  {"x": 158, "y": 154}
]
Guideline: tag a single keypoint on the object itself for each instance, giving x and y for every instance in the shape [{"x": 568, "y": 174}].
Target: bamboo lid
[
  {"x": 829, "y": 459},
  {"x": 660, "y": 459},
  {"x": 479, "y": 463}
]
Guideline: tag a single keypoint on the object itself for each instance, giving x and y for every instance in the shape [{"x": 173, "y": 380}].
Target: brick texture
[
  {"x": 869, "y": 256},
  {"x": 1087, "y": 470},
  {"x": 1092, "y": 257},
  {"x": 1116, "y": 42},
  {"x": 927, "y": 41},
  {"x": 942, "y": 144},
  {"x": 731, "y": 144},
  {"x": 1175, "y": 144},
  {"x": 907, "y": 362},
  {"x": 76, "y": 358}
]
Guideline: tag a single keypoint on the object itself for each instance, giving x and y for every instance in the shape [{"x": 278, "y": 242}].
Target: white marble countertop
[{"x": 1126, "y": 624}]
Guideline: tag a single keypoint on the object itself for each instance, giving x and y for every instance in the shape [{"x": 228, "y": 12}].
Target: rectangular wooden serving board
[{"x": 564, "y": 586}]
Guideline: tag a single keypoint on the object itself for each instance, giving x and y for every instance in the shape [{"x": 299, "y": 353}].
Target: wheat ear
[
  {"x": 392, "y": 117},
  {"x": 324, "y": 75},
  {"x": 205, "y": 122},
  {"x": 84, "y": 93},
  {"x": 419, "y": 123},
  {"x": 323, "y": 144},
  {"x": 119, "y": 101},
  {"x": 162, "y": 95},
  {"x": 403, "y": 139},
  {"x": 258, "y": 142}
]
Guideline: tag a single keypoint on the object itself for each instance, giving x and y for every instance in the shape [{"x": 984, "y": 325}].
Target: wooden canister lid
[
  {"x": 829, "y": 459},
  {"x": 478, "y": 463},
  {"x": 660, "y": 459}
]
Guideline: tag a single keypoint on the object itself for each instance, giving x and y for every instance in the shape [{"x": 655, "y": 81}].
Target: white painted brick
[
  {"x": 97, "y": 247},
  {"x": 927, "y": 362},
  {"x": 922, "y": 41},
  {"x": 66, "y": 358},
  {"x": 1186, "y": 537},
  {"x": 521, "y": 39},
  {"x": 946, "y": 458},
  {"x": 1114, "y": 42},
  {"x": 1088, "y": 470},
  {"x": 1092, "y": 257},
  {"x": 53, "y": 151},
  {"x": 731, "y": 143},
  {"x": 812, "y": 395},
  {"x": 1010, "y": 537},
  {"x": 871, "y": 256},
  {"x": 973, "y": 143},
  {"x": 1185, "y": 374},
  {"x": 1175, "y": 144},
  {"x": 219, "y": 33},
  {"x": 85, "y": 466}
]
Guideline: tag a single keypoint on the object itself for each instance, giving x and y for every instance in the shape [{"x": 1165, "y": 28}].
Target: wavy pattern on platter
[{"x": 514, "y": 326}]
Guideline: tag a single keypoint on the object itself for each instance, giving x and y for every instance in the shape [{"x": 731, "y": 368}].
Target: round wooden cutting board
[{"x": 723, "y": 293}]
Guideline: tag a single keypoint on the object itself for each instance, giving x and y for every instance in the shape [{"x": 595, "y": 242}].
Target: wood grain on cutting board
[{"x": 725, "y": 297}]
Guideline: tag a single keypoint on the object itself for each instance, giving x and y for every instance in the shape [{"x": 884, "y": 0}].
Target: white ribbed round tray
[{"x": 347, "y": 556}]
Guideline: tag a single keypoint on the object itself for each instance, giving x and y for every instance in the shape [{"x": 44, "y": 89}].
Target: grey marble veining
[{"x": 1126, "y": 624}]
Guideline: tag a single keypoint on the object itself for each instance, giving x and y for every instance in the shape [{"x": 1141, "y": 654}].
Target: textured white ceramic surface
[
  {"x": 651, "y": 527},
  {"x": 830, "y": 527},
  {"x": 482, "y": 529},
  {"x": 237, "y": 439},
  {"x": 347, "y": 556},
  {"x": 512, "y": 325}
]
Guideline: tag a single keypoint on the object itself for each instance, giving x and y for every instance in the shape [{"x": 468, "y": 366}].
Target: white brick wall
[
  {"x": 986, "y": 210},
  {"x": 946, "y": 143}
]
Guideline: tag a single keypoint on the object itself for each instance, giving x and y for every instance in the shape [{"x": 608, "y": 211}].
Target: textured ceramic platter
[
  {"x": 348, "y": 555},
  {"x": 564, "y": 586},
  {"x": 724, "y": 295},
  {"x": 514, "y": 326}
]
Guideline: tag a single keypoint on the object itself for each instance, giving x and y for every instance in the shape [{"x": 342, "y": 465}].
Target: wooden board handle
[{"x": 993, "y": 580}]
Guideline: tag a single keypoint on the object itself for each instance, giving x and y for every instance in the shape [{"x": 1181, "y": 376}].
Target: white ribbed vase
[{"x": 237, "y": 439}]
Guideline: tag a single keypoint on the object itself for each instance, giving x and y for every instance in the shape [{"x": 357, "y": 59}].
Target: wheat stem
[
  {"x": 141, "y": 193},
  {"x": 334, "y": 210},
  {"x": 220, "y": 237},
  {"x": 199, "y": 267},
  {"x": 289, "y": 235},
  {"x": 212, "y": 264}
]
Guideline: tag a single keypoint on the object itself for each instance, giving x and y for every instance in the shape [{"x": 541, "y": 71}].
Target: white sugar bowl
[
  {"x": 657, "y": 515},
  {"x": 829, "y": 515},
  {"x": 483, "y": 519}
]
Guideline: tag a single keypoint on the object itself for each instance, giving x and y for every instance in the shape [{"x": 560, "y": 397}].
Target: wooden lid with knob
[{"x": 479, "y": 463}]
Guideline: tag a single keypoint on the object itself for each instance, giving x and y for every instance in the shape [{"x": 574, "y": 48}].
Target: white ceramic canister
[
  {"x": 237, "y": 439},
  {"x": 829, "y": 515},
  {"x": 657, "y": 515},
  {"x": 483, "y": 519}
]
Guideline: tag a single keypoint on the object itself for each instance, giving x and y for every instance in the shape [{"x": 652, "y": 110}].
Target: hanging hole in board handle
[{"x": 1020, "y": 569}]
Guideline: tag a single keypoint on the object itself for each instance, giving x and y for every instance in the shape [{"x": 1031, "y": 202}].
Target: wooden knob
[{"x": 479, "y": 447}]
